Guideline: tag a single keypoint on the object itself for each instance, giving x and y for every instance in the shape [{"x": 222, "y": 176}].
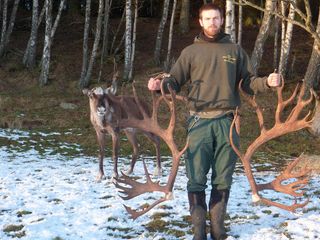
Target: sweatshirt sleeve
[
  {"x": 251, "y": 84},
  {"x": 179, "y": 73}
]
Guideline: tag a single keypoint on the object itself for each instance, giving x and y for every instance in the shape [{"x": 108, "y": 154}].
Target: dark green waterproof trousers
[{"x": 209, "y": 148}]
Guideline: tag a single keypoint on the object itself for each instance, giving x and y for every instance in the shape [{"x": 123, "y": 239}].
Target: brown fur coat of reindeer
[{"x": 106, "y": 111}]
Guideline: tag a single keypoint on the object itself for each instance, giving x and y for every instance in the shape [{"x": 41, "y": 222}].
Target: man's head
[{"x": 211, "y": 19}]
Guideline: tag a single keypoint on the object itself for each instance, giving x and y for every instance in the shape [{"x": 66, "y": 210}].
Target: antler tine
[
  {"x": 282, "y": 104},
  {"x": 252, "y": 101},
  {"x": 235, "y": 148},
  {"x": 136, "y": 188},
  {"x": 290, "y": 208},
  {"x": 142, "y": 111},
  {"x": 137, "y": 213}
]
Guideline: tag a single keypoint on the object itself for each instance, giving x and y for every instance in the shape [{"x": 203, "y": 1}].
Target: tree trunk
[
  {"x": 157, "y": 51},
  {"x": 44, "y": 75},
  {"x": 276, "y": 43},
  {"x": 230, "y": 20},
  {"x": 286, "y": 43},
  {"x": 4, "y": 21},
  {"x": 312, "y": 76},
  {"x": 184, "y": 16},
  {"x": 95, "y": 45},
  {"x": 262, "y": 35},
  {"x": 168, "y": 61},
  {"x": 128, "y": 41},
  {"x": 240, "y": 23},
  {"x": 5, "y": 40},
  {"x": 57, "y": 20},
  {"x": 85, "y": 57},
  {"x": 29, "y": 58},
  {"x": 134, "y": 37},
  {"x": 112, "y": 50}
]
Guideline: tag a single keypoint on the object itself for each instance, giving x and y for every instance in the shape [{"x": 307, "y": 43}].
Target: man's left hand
[{"x": 274, "y": 80}]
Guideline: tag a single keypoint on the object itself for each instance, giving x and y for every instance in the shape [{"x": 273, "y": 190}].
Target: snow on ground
[{"x": 46, "y": 194}]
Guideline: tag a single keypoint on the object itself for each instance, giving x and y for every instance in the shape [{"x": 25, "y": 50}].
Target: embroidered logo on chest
[{"x": 229, "y": 59}]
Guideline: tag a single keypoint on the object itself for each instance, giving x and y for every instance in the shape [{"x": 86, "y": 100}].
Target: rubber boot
[
  {"x": 198, "y": 211},
  {"x": 218, "y": 206}
]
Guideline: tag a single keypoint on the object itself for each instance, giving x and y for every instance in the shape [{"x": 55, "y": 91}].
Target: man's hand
[
  {"x": 274, "y": 80},
  {"x": 154, "y": 84}
]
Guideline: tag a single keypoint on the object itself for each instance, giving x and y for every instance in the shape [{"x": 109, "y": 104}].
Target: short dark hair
[{"x": 210, "y": 6}]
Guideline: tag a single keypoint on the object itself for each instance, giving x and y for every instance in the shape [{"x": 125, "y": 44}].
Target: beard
[{"x": 211, "y": 31}]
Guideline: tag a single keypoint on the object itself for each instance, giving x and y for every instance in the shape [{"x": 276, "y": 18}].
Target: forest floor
[{"x": 27, "y": 106}]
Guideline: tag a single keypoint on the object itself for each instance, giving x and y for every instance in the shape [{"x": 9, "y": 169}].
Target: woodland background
[{"x": 51, "y": 49}]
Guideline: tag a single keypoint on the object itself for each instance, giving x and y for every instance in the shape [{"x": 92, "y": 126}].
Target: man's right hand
[{"x": 154, "y": 84}]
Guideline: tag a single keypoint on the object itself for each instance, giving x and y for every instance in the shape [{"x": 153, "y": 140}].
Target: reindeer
[
  {"x": 130, "y": 188},
  {"x": 106, "y": 112}
]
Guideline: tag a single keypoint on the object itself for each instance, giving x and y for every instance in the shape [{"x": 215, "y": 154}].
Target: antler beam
[
  {"x": 291, "y": 124},
  {"x": 131, "y": 188}
]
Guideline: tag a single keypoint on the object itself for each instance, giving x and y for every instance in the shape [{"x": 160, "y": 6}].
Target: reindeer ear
[{"x": 85, "y": 91}]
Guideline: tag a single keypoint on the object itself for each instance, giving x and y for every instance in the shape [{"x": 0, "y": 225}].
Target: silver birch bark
[
  {"x": 312, "y": 75},
  {"x": 134, "y": 37},
  {"x": 233, "y": 25},
  {"x": 276, "y": 43},
  {"x": 29, "y": 58},
  {"x": 44, "y": 75},
  {"x": 8, "y": 31},
  {"x": 262, "y": 35},
  {"x": 157, "y": 50},
  {"x": 128, "y": 41},
  {"x": 168, "y": 58},
  {"x": 286, "y": 44},
  {"x": 95, "y": 45},
  {"x": 228, "y": 18},
  {"x": 184, "y": 16},
  {"x": 57, "y": 20},
  {"x": 240, "y": 23},
  {"x": 85, "y": 57},
  {"x": 4, "y": 21}
]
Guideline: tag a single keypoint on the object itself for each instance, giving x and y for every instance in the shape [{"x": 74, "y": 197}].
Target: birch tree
[
  {"x": 157, "y": 51},
  {"x": 264, "y": 31},
  {"x": 287, "y": 28},
  {"x": 168, "y": 59},
  {"x": 184, "y": 16},
  {"x": 240, "y": 19},
  {"x": 312, "y": 75},
  {"x": 128, "y": 41},
  {"x": 44, "y": 75},
  {"x": 229, "y": 24},
  {"x": 29, "y": 58},
  {"x": 50, "y": 31},
  {"x": 134, "y": 37},
  {"x": 85, "y": 58},
  {"x": 7, "y": 28}
]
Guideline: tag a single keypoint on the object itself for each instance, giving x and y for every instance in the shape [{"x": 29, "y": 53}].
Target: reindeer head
[{"x": 101, "y": 110}]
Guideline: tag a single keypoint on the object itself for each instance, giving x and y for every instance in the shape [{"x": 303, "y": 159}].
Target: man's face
[{"x": 211, "y": 22}]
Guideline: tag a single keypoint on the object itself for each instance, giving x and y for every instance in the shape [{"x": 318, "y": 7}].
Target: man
[{"x": 213, "y": 67}]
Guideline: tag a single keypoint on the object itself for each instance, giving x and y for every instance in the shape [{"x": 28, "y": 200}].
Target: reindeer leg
[
  {"x": 156, "y": 142},
  {"x": 131, "y": 135},
  {"x": 101, "y": 142},
  {"x": 115, "y": 151}
]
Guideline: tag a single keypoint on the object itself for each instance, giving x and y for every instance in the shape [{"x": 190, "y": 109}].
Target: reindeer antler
[
  {"x": 291, "y": 124},
  {"x": 150, "y": 124}
]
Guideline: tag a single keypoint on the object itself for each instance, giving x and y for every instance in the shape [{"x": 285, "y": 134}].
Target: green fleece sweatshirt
[{"x": 213, "y": 71}]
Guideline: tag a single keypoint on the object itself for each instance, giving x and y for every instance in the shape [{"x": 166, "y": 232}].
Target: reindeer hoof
[{"x": 100, "y": 177}]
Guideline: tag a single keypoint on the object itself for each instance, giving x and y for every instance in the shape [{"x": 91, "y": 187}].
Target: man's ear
[{"x": 200, "y": 21}]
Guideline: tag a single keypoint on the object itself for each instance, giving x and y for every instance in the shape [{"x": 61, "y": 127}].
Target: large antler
[
  {"x": 149, "y": 123},
  {"x": 291, "y": 124}
]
